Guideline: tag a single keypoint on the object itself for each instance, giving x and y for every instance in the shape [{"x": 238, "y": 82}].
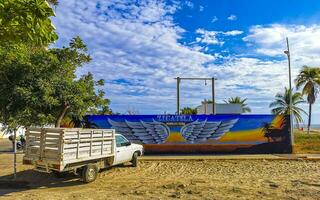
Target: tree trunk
[
  {"x": 61, "y": 115},
  {"x": 309, "y": 120}
]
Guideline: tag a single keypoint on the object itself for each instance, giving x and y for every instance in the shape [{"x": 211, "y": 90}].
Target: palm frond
[
  {"x": 238, "y": 100},
  {"x": 280, "y": 105}
]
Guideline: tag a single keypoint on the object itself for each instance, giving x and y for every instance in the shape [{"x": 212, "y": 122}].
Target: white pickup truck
[{"x": 82, "y": 151}]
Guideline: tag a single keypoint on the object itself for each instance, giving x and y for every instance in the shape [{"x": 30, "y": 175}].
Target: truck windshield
[{"x": 120, "y": 140}]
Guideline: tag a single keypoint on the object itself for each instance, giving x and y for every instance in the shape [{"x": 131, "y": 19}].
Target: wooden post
[
  {"x": 78, "y": 144},
  {"x": 213, "y": 98},
  {"x": 91, "y": 142},
  {"x": 61, "y": 144},
  {"x": 178, "y": 95},
  {"x": 41, "y": 143},
  {"x": 102, "y": 142},
  {"x": 27, "y": 138},
  {"x": 113, "y": 143},
  {"x": 14, "y": 154},
  {"x": 45, "y": 131}
]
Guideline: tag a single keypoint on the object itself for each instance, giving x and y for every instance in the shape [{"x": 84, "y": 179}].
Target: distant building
[{"x": 220, "y": 108}]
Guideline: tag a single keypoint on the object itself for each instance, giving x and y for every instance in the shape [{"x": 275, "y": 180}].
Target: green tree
[
  {"x": 209, "y": 101},
  {"x": 189, "y": 111},
  {"x": 14, "y": 110},
  {"x": 280, "y": 106},
  {"x": 309, "y": 80},
  {"x": 74, "y": 120},
  {"x": 27, "y": 21},
  {"x": 69, "y": 94},
  {"x": 23, "y": 22},
  {"x": 103, "y": 107},
  {"x": 237, "y": 100},
  {"x": 40, "y": 86}
]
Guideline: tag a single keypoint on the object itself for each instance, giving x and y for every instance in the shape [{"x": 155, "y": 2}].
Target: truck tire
[
  {"x": 135, "y": 159},
  {"x": 89, "y": 173}
]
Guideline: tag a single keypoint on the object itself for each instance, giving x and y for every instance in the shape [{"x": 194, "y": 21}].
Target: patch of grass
[{"x": 306, "y": 143}]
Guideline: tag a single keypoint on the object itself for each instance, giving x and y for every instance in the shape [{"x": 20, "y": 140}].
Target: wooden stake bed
[{"x": 60, "y": 149}]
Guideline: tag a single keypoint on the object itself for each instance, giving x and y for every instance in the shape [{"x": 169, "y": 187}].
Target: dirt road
[
  {"x": 212, "y": 179},
  {"x": 5, "y": 145}
]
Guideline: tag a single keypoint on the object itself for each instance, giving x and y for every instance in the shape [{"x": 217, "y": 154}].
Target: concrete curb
[{"x": 313, "y": 157}]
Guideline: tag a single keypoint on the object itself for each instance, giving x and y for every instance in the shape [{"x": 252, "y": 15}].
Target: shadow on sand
[{"x": 31, "y": 179}]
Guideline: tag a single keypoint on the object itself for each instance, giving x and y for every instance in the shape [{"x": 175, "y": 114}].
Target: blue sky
[{"x": 138, "y": 47}]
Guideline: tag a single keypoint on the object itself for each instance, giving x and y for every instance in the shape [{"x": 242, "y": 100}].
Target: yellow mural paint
[
  {"x": 253, "y": 135},
  {"x": 175, "y": 137}
]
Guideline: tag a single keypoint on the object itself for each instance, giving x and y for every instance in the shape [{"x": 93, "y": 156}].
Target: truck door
[{"x": 123, "y": 150}]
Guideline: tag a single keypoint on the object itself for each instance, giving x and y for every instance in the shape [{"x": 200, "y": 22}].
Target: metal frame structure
[{"x": 192, "y": 79}]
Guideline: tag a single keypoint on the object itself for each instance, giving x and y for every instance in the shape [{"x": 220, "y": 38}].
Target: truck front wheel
[
  {"x": 89, "y": 173},
  {"x": 135, "y": 159}
]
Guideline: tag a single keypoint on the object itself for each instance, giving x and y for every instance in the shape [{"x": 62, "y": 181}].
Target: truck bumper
[{"x": 42, "y": 166}]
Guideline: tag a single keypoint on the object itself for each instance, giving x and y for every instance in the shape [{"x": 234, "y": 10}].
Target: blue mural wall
[{"x": 200, "y": 133}]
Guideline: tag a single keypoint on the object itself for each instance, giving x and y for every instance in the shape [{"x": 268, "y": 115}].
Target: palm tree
[
  {"x": 189, "y": 111},
  {"x": 238, "y": 100},
  {"x": 280, "y": 106},
  {"x": 273, "y": 133},
  {"x": 309, "y": 79}
]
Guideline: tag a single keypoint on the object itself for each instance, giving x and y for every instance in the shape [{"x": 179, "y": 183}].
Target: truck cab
[{"x": 125, "y": 151}]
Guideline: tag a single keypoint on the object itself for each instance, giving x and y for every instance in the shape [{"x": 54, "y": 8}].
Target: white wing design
[
  {"x": 200, "y": 131},
  {"x": 145, "y": 132}
]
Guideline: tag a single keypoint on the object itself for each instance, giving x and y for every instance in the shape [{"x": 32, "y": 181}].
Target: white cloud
[
  {"x": 208, "y": 37},
  {"x": 211, "y": 37},
  {"x": 233, "y": 32},
  {"x": 189, "y": 4},
  {"x": 214, "y": 19},
  {"x": 232, "y": 17},
  {"x": 270, "y": 40},
  {"x": 201, "y": 8},
  {"x": 135, "y": 43}
]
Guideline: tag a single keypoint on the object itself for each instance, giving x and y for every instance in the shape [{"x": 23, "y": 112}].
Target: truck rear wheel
[
  {"x": 135, "y": 159},
  {"x": 89, "y": 173}
]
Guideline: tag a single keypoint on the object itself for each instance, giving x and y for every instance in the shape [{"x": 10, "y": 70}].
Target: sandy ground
[
  {"x": 5, "y": 145},
  {"x": 196, "y": 179}
]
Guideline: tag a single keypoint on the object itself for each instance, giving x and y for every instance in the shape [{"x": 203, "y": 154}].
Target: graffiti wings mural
[
  {"x": 145, "y": 132},
  {"x": 157, "y": 132},
  {"x": 199, "y": 131}
]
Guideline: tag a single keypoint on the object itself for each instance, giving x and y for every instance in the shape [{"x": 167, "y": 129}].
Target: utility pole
[{"x": 287, "y": 52}]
